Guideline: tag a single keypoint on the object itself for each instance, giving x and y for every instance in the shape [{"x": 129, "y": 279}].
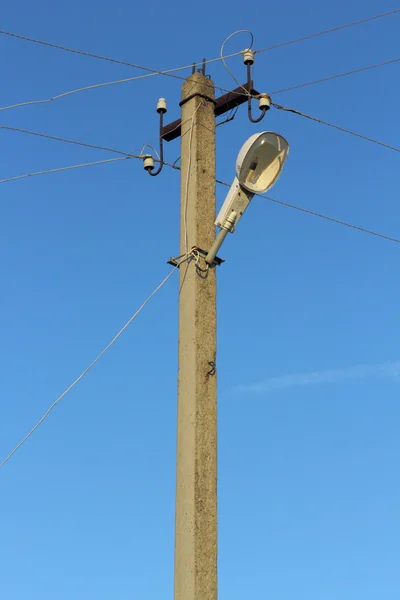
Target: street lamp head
[
  {"x": 258, "y": 166},
  {"x": 260, "y": 161}
]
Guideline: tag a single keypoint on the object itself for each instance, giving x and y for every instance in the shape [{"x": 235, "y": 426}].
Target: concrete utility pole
[{"x": 196, "y": 485}]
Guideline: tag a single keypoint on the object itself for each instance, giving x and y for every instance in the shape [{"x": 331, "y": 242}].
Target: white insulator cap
[
  {"x": 162, "y": 105},
  {"x": 264, "y": 102},
  {"x": 148, "y": 162},
  {"x": 248, "y": 57}
]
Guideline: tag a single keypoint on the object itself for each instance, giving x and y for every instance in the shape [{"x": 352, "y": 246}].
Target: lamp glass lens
[{"x": 263, "y": 162}]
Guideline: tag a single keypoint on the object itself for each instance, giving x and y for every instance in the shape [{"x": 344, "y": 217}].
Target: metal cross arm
[{"x": 223, "y": 104}]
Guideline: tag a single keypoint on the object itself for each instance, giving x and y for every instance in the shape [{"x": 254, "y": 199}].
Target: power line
[
  {"x": 79, "y": 166},
  {"x": 345, "y": 74},
  {"x": 167, "y": 72},
  {"x": 332, "y": 219},
  {"x": 338, "y": 127},
  {"x": 151, "y": 72},
  {"x": 90, "y": 54},
  {"x": 177, "y": 168},
  {"x": 67, "y": 141},
  {"x": 59, "y": 169},
  {"x": 93, "y": 87},
  {"x": 212, "y": 60},
  {"x": 75, "y": 91},
  {"x": 113, "y": 82},
  {"x": 326, "y": 31},
  {"x": 100, "y": 85},
  {"x": 124, "y": 155},
  {"x": 92, "y": 364},
  {"x": 127, "y": 155},
  {"x": 129, "y": 79},
  {"x": 170, "y": 72},
  {"x": 322, "y": 216},
  {"x": 76, "y": 143}
]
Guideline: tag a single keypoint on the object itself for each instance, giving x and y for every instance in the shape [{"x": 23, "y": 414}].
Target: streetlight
[{"x": 258, "y": 166}]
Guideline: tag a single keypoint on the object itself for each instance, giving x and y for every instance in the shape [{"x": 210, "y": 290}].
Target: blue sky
[{"x": 308, "y": 486}]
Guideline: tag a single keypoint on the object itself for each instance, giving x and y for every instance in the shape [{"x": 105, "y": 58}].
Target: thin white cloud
[{"x": 330, "y": 376}]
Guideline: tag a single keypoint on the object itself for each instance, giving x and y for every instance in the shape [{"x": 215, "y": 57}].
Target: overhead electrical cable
[
  {"x": 321, "y": 216},
  {"x": 336, "y": 76},
  {"x": 170, "y": 72},
  {"x": 91, "y": 365},
  {"x": 326, "y": 31},
  {"x": 338, "y": 127},
  {"x": 212, "y": 60},
  {"x": 177, "y": 168}
]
